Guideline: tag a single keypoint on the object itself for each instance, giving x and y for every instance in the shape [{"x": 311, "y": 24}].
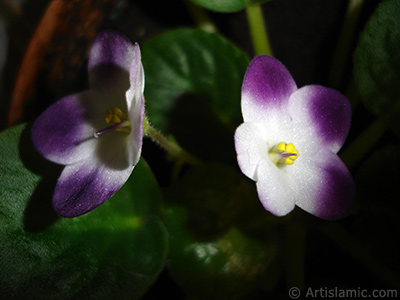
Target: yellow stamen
[
  {"x": 284, "y": 154},
  {"x": 289, "y": 148},
  {"x": 289, "y": 161},
  {"x": 118, "y": 120},
  {"x": 115, "y": 116},
  {"x": 115, "y": 120},
  {"x": 281, "y": 146},
  {"x": 117, "y": 111}
]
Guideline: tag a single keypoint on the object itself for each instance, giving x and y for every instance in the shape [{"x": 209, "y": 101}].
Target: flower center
[
  {"x": 119, "y": 121},
  {"x": 284, "y": 154}
]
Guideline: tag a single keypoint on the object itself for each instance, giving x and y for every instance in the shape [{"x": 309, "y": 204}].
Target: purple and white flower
[
  {"x": 97, "y": 134},
  {"x": 289, "y": 140}
]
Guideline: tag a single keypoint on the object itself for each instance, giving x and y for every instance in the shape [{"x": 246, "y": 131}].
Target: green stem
[
  {"x": 174, "y": 151},
  {"x": 360, "y": 146},
  {"x": 258, "y": 30},
  {"x": 360, "y": 253},
  {"x": 352, "y": 94},
  {"x": 200, "y": 17},
  {"x": 367, "y": 139},
  {"x": 344, "y": 43}
]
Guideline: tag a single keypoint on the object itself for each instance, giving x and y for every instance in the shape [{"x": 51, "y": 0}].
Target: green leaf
[
  {"x": 210, "y": 193},
  {"x": 193, "y": 87},
  {"x": 211, "y": 253},
  {"x": 117, "y": 250},
  {"x": 222, "y": 268},
  {"x": 226, "y": 6},
  {"x": 377, "y": 60}
]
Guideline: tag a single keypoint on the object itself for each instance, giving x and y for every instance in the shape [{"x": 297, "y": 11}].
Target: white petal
[
  {"x": 135, "y": 104},
  {"x": 251, "y": 147},
  {"x": 276, "y": 189}
]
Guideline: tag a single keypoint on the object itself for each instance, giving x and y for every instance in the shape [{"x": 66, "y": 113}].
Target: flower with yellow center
[
  {"x": 97, "y": 134},
  {"x": 289, "y": 140}
]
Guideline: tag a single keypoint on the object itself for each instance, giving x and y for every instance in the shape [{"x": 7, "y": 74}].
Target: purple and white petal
[
  {"x": 64, "y": 132},
  {"x": 136, "y": 78},
  {"x": 86, "y": 185},
  {"x": 276, "y": 190},
  {"x": 109, "y": 66},
  {"x": 326, "y": 188},
  {"x": 136, "y": 116},
  {"x": 321, "y": 115},
  {"x": 135, "y": 104},
  {"x": 266, "y": 89},
  {"x": 110, "y": 48}
]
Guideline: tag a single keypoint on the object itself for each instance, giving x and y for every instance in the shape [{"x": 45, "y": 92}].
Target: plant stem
[
  {"x": 344, "y": 43},
  {"x": 258, "y": 30},
  {"x": 364, "y": 142},
  {"x": 360, "y": 146},
  {"x": 200, "y": 17},
  {"x": 174, "y": 151},
  {"x": 368, "y": 138},
  {"x": 352, "y": 94}
]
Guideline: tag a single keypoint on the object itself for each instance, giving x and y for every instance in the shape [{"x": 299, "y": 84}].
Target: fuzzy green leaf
[
  {"x": 377, "y": 61},
  {"x": 187, "y": 61},
  {"x": 117, "y": 250},
  {"x": 193, "y": 88},
  {"x": 215, "y": 251}
]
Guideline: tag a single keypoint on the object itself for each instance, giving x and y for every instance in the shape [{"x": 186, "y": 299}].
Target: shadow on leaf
[
  {"x": 199, "y": 130},
  {"x": 39, "y": 213}
]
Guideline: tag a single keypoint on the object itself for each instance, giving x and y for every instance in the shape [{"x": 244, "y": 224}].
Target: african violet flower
[
  {"x": 289, "y": 140},
  {"x": 97, "y": 134}
]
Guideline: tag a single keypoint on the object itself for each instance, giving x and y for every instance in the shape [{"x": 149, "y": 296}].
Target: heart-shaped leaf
[
  {"x": 193, "y": 87},
  {"x": 377, "y": 61},
  {"x": 215, "y": 253},
  {"x": 187, "y": 61},
  {"x": 117, "y": 250}
]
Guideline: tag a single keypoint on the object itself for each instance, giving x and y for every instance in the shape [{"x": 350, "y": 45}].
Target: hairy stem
[{"x": 174, "y": 151}]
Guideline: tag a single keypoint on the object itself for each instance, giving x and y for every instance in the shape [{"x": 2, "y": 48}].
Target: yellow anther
[
  {"x": 108, "y": 118},
  {"x": 281, "y": 146},
  {"x": 115, "y": 116},
  {"x": 115, "y": 120},
  {"x": 117, "y": 111},
  {"x": 119, "y": 122},
  {"x": 289, "y": 161},
  {"x": 286, "y": 154},
  {"x": 290, "y": 148}
]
